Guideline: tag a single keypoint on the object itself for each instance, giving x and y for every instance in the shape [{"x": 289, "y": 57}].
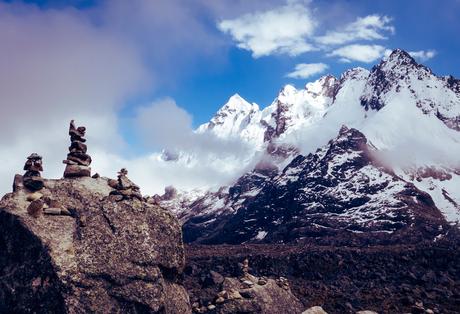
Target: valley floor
[{"x": 386, "y": 279}]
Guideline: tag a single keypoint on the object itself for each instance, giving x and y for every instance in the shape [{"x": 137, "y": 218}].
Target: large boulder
[{"x": 107, "y": 256}]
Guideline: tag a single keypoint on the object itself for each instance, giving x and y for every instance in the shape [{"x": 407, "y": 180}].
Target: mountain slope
[{"x": 339, "y": 193}]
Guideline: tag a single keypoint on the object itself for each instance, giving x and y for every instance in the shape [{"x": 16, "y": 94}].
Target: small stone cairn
[
  {"x": 32, "y": 179},
  {"x": 124, "y": 187},
  {"x": 78, "y": 160}
]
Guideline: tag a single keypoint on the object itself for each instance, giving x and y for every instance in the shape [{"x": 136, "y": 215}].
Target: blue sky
[{"x": 142, "y": 73}]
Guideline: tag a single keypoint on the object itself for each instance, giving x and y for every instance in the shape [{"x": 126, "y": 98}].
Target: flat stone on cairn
[
  {"x": 32, "y": 179},
  {"x": 78, "y": 160}
]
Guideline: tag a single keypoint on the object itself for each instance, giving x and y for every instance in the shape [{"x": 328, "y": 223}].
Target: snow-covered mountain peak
[
  {"x": 400, "y": 65},
  {"x": 287, "y": 91},
  {"x": 237, "y": 119},
  {"x": 401, "y": 81},
  {"x": 325, "y": 86},
  {"x": 399, "y": 57},
  {"x": 237, "y": 104},
  {"x": 354, "y": 74}
]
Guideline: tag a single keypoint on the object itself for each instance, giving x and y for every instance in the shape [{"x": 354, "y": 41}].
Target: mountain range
[{"x": 371, "y": 156}]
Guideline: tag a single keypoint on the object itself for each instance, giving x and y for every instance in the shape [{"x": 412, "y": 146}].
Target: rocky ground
[
  {"x": 386, "y": 279},
  {"x": 88, "y": 252},
  {"x": 76, "y": 247}
]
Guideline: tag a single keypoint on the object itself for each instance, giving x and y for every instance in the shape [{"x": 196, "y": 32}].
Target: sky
[{"x": 142, "y": 74}]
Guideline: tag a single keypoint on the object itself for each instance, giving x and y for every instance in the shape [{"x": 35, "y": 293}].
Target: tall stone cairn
[
  {"x": 32, "y": 179},
  {"x": 78, "y": 160}
]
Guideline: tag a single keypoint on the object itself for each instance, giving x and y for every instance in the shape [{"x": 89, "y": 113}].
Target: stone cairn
[
  {"x": 32, "y": 179},
  {"x": 78, "y": 160},
  {"x": 124, "y": 187}
]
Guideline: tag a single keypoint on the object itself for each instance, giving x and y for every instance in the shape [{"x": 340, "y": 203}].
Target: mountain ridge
[{"x": 407, "y": 113}]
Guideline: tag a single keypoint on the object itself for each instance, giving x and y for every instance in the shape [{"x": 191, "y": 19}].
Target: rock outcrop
[
  {"x": 106, "y": 256},
  {"x": 78, "y": 160}
]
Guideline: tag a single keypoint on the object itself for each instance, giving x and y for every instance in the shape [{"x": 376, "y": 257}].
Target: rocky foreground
[
  {"x": 86, "y": 251},
  {"x": 85, "y": 245}
]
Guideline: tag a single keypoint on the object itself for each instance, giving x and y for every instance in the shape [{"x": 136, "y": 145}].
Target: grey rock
[
  {"x": 216, "y": 277},
  {"x": 315, "y": 310}
]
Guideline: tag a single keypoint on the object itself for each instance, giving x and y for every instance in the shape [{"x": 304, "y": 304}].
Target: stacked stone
[
  {"x": 283, "y": 283},
  {"x": 125, "y": 188},
  {"x": 247, "y": 279},
  {"x": 32, "y": 179},
  {"x": 245, "y": 267},
  {"x": 78, "y": 160}
]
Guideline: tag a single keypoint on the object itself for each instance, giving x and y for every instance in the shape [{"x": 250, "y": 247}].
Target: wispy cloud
[
  {"x": 361, "y": 53},
  {"x": 423, "y": 55},
  {"x": 305, "y": 70},
  {"x": 371, "y": 27}
]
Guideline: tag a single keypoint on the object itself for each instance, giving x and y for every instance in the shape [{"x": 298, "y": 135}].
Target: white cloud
[
  {"x": 361, "y": 53},
  {"x": 202, "y": 159},
  {"x": 371, "y": 27},
  {"x": 282, "y": 30},
  {"x": 163, "y": 123},
  {"x": 423, "y": 55},
  {"x": 305, "y": 70}
]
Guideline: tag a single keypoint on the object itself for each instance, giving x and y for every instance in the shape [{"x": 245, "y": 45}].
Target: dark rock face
[
  {"x": 339, "y": 195},
  {"x": 108, "y": 256},
  {"x": 201, "y": 221}
]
